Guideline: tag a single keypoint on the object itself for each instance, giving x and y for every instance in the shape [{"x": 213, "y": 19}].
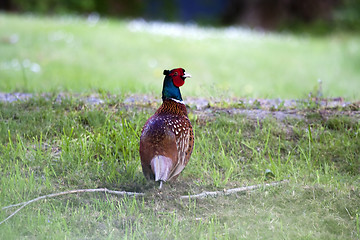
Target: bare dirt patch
[{"x": 208, "y": 108}]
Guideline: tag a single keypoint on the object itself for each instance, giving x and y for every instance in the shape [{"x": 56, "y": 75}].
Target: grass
[
  {"x": 73, "y": 145},
  {"x": 42, "y": 54},
  {"x": 49, "y": 146}
]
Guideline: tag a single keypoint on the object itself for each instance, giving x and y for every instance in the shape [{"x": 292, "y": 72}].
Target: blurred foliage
[
  {"x": 318, "y": 16},
  {"x": 348, "y": 15},
  {"x": 105, "y": 7},
  {"x": 314, "y": 16}
]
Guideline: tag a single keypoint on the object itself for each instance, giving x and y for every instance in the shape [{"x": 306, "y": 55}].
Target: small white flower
[{"x": 35, "y": 68}]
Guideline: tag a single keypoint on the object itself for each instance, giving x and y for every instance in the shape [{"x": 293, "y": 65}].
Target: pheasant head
[{"x": 173, "y": 80}]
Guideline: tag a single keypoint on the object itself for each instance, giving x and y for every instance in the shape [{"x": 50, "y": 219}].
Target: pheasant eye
[{"x": 176, "y": 73}]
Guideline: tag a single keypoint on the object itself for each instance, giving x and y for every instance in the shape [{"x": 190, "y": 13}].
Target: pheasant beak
[{"x": 186, "y": 75}]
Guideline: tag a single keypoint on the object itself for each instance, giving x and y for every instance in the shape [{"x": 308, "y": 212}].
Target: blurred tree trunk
[{"x": 6, "y": 5}]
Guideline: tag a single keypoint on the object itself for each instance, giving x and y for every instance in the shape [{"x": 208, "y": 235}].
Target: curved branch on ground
[{"x": 124, "y": 193}]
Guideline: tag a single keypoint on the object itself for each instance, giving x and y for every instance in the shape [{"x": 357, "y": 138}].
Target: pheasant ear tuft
[{"x": 166, "y": 72}]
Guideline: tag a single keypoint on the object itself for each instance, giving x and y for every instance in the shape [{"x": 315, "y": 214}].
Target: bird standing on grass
[{"x": 167, "y": 138}]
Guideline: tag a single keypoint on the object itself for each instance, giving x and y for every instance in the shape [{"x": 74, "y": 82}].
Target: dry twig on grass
[
  {"x": 232, "y": 191},
  {"x": 123, "y": 193},
  {"x": 104, "y": 190}
]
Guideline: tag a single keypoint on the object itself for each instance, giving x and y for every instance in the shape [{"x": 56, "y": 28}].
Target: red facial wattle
[
  {"x": 177, "y": 78},
  {"x": 178, "y": 81}
]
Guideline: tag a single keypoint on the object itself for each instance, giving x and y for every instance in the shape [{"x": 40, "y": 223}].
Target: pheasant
[{"x": 167, "y": 138}]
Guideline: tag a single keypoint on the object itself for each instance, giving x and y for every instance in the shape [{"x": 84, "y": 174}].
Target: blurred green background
[{"x": 244, "y": 48}]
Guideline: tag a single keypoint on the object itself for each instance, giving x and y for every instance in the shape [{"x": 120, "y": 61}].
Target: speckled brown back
[{"x": 167, "y": 133}]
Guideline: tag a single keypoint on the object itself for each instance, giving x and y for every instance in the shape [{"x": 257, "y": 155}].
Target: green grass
[
  {"x": 71, "y": 145},
  {"x": 74, "y": 55},
  {"x": 49, "y": 146}
]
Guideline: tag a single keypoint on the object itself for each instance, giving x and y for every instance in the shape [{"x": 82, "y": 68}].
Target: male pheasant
[{"x": 167, "y": 138}]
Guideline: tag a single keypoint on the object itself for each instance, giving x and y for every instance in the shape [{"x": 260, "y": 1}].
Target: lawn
[
  {"x": 74, "y": 145},
  {"x": 50, "y": 144},
  {"x": 76, "y": 54}
]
